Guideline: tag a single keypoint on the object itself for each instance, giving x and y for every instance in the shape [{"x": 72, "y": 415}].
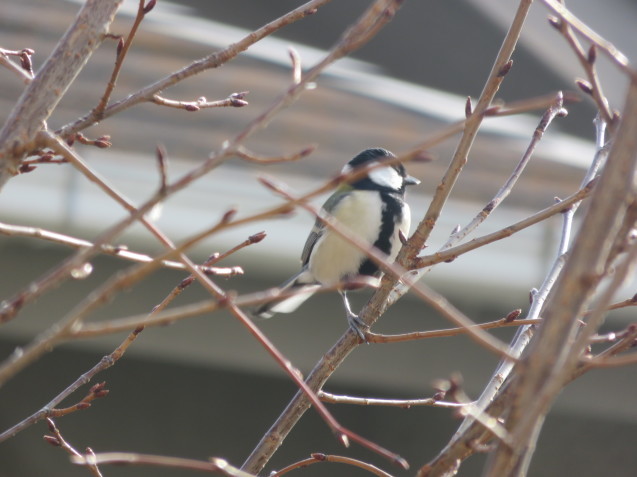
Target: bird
[{"x": 373, "y": 209}]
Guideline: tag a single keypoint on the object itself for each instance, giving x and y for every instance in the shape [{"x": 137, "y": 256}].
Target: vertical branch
[
  {"x": 500, "y": 68},
  {"x": 377, "y": 15},
  {"x": 524, "y": 334},
  {"x": 555, "y": 351},
  {"x": 122, "y": 49}
]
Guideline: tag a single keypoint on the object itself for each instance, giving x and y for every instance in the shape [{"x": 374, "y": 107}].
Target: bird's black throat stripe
[{"x": 391, "y": 215}]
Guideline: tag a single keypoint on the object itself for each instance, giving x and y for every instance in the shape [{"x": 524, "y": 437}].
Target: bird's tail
[{"x": 301, "y": 286}]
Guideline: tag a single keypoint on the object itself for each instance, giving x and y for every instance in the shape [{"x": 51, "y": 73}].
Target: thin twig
[
  {"x": 214, "y": 464},
  {"x": 466, "y": 432},
  {"x": 235, "y": 100},
  {"x": 404, "y": 403},
  {"x": 122, "y": 50},
  {"x": 556, "y": 109},
  {"x": 57, "y": 440},
  {"x": 587, "y": 60},
  {"x": 42, "y": 95},
  {"x": 419, "y": 335},
  {"x": 549, "y": 363},
  {"x": 244, "y": 153},
  {"x": 212, "y": 61},
  {"x": 114, "y": 250},
  {"x": 609, "y": 355},
  {"x": 607, "y": 47},
  {"x": 109, "y": 360},
  {"x": 351, "y": 38},
  {"x": 25, "y": 71},
  {"x": 454, "y": 252},
  {"x": 471, "y": 126},
  {"x": 319, "y": 457}
]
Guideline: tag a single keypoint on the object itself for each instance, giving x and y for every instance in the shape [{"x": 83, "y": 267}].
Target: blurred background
[{"x": 203, "y": 387}]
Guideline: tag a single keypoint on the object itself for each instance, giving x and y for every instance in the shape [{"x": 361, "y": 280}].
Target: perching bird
[{"x": 373, "y": 208}]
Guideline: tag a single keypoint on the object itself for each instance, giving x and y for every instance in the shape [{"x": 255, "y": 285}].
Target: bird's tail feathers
[{"x": 301, "y": 286}]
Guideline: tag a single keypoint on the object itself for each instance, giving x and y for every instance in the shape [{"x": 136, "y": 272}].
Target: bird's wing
[
  {"x": 316, "y": 232},
  {"x": 319, "y": 226}
]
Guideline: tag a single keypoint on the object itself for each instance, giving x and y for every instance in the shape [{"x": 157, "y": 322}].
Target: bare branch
[
  {"x": 318, "y": 457},
  {"x": 419, "y": 335},
  {"x": 212, "y": 61},
  {"x": 122, "y": 50},
  {"x": 607, "y": 47},
  {"x": 57, "y": 440},
  {"x": 52, "y": 81},
  {"x": 472, "y": 124},
  {"x": 549, "y": 363},
  {"x": 25, "y": 71},
  {"x": 115, "y": 250},
  {"x": 245, "y": 153},
  {"x": 235, "y": 100},
  {"x": 214, "y": 464},
  {"x": 404, "y": 403},
  {"x": 454, "y": 252}
]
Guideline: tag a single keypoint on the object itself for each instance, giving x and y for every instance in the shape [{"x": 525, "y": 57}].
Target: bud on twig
[
  {"x": 585, "y": 86},
  {"x": 227, "y": 217},
  {"x": 513, "y": 315},
  {"x": 256, "y": 238},
  {"x": 54, "y": 441},
  {"x": 468, "y": 108},
  {"x": 555, "y": 22},
  {"x": 592, "y": 54},
  {"x": 149, "y": 6},
  {"x": 505, "y": 68}
]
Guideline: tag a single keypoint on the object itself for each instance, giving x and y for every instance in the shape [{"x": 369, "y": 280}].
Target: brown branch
[
  {"x": 404, "y": 403},
  {"x": 549, "y": 362},
  {"x": 377, "y": 15},
  {"x": 122, "y": 50},
  {"x": 49, "y": 409},
  {"x": 587, "y": 60},
  {"x": 57, "y": 440},
  {"x": 555, "y": 109},
  {"x": 297, "y": 71},
  {"x": 25, "y": 70},
  {"x": 607, "y": 47},
  {"x": 245, "y": 153},
  {"x": 209, "y": 62},
  {"x": 51, "y": 83},
  {"x": 419, "y": 335},
  {"x": 214, "y": 464},
  {"x": 235, "y": 100},
  {"x": 453, "y": 387},
  {"x": 319, "y": 457},
  {"x": 119, "y": 251},
  {"x": 454, "y": 252},
  {"x": 71, "y": 322},
  {"x": 493, "y": 398},
  {"x": 460, "y": 157},
  {"x": 609, "y": 357},
  {"x": 109, "y": 360}
]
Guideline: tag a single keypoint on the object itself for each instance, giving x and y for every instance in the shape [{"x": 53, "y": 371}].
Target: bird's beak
[{"x": 410, "y": 180}]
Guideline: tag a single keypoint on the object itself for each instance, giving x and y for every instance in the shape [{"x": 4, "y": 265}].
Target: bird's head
[{"x": 390, "y": 177}]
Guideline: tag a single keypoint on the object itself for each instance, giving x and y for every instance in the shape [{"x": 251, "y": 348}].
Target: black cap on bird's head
[{"x": 392, "y": 177}]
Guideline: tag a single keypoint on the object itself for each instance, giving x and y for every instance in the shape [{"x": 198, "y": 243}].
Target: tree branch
[{"x": 42, "y": 94}]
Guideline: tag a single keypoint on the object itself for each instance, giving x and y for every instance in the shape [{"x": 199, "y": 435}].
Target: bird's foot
[{"x": 358, "y": 326}]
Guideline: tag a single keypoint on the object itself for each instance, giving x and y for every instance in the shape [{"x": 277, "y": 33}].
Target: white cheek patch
[{"x": 386, "y": 177}]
